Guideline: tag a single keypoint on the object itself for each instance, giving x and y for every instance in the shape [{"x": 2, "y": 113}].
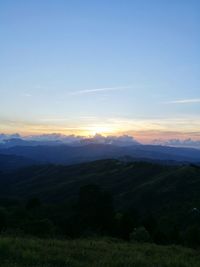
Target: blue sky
[{"x": 100, "y": 66}]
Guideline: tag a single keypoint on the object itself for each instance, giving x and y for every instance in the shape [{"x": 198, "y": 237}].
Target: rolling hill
[{"x": 142, "y": 185}]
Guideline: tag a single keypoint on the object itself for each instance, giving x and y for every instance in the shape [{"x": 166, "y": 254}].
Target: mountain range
[{"x": 68, "y": 154}]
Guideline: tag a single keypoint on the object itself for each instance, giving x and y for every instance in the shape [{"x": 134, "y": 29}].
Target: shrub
[
  {"x": 40, "y": 228},
  {"x": 140, "y": 234}
]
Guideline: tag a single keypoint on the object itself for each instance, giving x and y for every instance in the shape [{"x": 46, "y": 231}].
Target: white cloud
[
  {"x": 123, "y": 140},
  {"x": 178, "y": 143},
  {"x": 185, "y": 101},
  {"x": 53, "y": 119},
  {"x": 99, "y": 90}
]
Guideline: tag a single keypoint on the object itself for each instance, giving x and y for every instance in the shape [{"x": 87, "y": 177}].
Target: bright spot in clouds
[{"x": 100, "y": 129}]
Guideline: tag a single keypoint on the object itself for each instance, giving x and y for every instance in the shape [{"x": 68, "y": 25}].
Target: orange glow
[{"x": 143, "y": 130}]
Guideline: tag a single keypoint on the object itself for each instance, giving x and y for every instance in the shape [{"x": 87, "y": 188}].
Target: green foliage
[
  {"x": 192, "y": 236},
  {"x": 96, "y": 210},
  {"x": 125, "y": 222},
  {"x": 140, "y": 234},
  {"x": 3, "y": 219},
  {"x": 143, "y": 186},
  {"x": 40, "y": 228},
  {"x": 33, "y": 204},
  {"x": 107, "y": 197},
  {"x": 15, "y": 252}
]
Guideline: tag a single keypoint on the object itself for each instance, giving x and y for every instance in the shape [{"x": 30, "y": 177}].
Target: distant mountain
[
  {"x": 65, "y": 154},
  {"x": 12, "y": 162}
]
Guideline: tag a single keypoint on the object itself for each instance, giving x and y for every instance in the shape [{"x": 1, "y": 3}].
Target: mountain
[
  {"x": 66, "y": 154},
  {"x": 12, "y": 162}
]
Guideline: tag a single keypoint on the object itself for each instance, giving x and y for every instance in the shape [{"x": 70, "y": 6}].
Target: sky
[{"x": 110, "y": 67}]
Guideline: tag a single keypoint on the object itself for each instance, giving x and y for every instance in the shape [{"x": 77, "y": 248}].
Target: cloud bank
[
  {"x": 76, "y": 140},
  {"x": 179, "y": 143},
  {"x": 56, "y": 138}
]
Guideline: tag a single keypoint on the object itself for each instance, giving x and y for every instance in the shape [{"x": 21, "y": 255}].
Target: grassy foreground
[{"x": 18, "y": 252}]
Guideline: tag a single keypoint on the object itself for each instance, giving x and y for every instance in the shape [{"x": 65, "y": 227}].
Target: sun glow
[{"x": 101, "y": 129}]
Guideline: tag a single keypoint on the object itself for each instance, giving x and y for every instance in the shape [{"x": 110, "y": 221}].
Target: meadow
[{"x": 33, "y": 252}]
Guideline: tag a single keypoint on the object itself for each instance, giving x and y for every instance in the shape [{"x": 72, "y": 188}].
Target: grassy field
[{"x": 17, "y": 252}]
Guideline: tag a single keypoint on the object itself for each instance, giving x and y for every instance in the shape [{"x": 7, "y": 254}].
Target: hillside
[
  {"x": 106, "y": 197},
  {"x": 15, "y": 252},
  {"x": 132, "y": 184},
  {"x": 12, "y": 162}
]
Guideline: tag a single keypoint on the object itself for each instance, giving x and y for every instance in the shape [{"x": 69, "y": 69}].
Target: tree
[
  {"x": 96, "y": 209},
  {"x": 192, "y": 236},
  {"x": 40, "y": 228},
  {"x": 3, "y": 219},
  {"x": 150, "y": 223},
  {"x": 140, "y": 234},
  {"x": 125, "y": 222},
  {"x": 33, "y": 204}
]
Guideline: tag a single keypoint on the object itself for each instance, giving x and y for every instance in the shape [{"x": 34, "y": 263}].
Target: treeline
[{"x": 94, "y": 214}]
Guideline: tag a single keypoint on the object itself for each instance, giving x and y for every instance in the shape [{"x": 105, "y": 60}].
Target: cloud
[
  {"x": 8, "y": 136},
  {"x": 54, "y": 137},
  {"x": 57, "y": 138},
  {"x": 53, "y": 119},
  {"x": 122, "y": 140},
  {"x": 185, "y": 101},
  {"x": 99, "y": 90},
  {"x": 144, "y": 129},
  {"x": 178, "y": 143}
]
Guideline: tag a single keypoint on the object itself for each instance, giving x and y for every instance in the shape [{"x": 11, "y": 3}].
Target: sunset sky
[{"x": 111, "y": 67}]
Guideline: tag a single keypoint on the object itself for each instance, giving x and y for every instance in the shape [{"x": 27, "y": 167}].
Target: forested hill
[
  {"x": 106, "y": 197},
  {"x": 133, "y": 184}
]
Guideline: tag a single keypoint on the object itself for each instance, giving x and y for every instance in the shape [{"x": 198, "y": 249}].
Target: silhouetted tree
[
  {"x": 126, "y": 222},
  {"x": 140, "y": 234},
  {"x": 40, "y": 228},
  {"x": 3, "y": 219},
  {"x": 96, "y": 209},
  {"x": 33, "y": 203},
  {"x": 192, "y": 236},
  {"x": 150, "y": 223}
]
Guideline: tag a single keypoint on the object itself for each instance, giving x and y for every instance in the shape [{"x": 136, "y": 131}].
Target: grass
[{"x": 24, "y": 252}]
